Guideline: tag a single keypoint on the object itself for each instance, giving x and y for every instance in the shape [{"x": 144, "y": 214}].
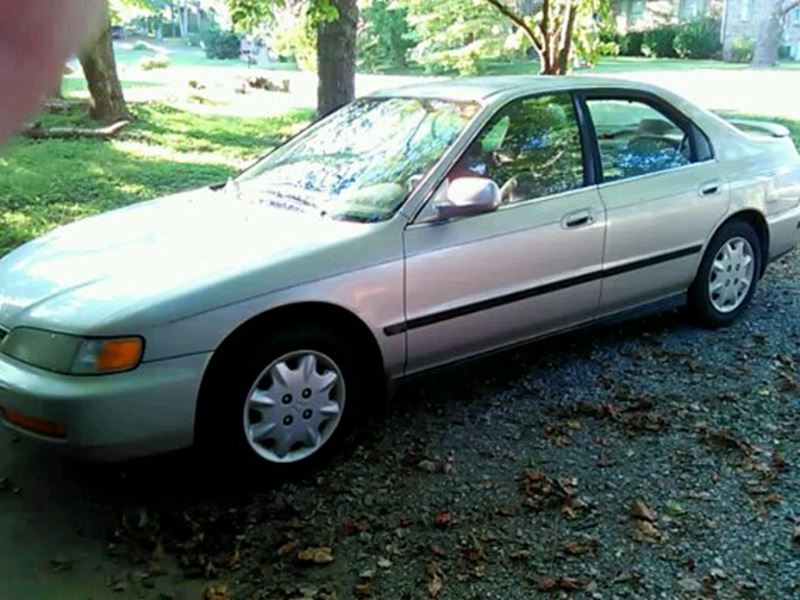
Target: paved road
[
  {"x": 55, "y": 520},
  {"x": 761, "y": 92}
]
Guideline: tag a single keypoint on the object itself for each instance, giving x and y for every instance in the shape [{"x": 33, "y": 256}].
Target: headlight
[{"x": 71, "y": 354}]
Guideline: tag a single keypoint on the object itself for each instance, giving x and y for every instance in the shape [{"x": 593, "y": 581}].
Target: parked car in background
[
  {"x": 117, "y": 32},
  {"x": 410, "y": 229}
]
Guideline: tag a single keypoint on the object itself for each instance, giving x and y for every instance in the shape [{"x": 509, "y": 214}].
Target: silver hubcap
[
  {"x": 294, "y": 406},
  {"x": 731, "y": 275}
]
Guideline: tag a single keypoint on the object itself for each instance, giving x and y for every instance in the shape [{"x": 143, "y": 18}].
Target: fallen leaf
[
  {"x": 647, "y": 530},
  {"x": 216, "y": 591},
  {"x": 352, "y": 527},
  {"x": 674, "y": 508},
  {"x": 318, "y": 555},
  {"x": 364, "y": 590},
  {"x": 640, "y": 510},
  {"x": 443, "y": 518},
  {"x": 287, "y": 548},
  {"x": 552, "y": 584},
  {"x": 581, "y": 546},
  {"x": 436, "y": 583},
  {"x": 718, "y": 573},
  {"x": 427, "y": 465}
]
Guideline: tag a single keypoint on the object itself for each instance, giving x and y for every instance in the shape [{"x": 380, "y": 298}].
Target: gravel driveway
[{"x": 648, "y": 460}]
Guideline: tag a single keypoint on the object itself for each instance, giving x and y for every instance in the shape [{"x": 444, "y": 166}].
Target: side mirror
[{"x": 468, "y": 196}]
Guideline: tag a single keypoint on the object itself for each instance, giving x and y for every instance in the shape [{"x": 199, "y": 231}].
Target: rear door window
[{"x": 635, "y": 138}]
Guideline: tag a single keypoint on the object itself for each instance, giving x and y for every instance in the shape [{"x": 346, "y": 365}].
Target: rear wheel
[
  {"x": 283, "y": 399},
  {"x": 728, "y": 275}
]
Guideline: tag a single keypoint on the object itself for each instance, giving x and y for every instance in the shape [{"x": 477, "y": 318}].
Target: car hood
[{"x": 89, "y": 274}]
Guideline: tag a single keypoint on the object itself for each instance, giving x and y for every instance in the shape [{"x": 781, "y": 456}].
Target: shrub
[
  {"x": 631, "y": 43},
  {"x": 195, "y": 40},
  {"x": 698, "y": 39},
  {"x": 157, "y": 62},
  {"x": 140, "y": 46},
  {"x": 785, "y": 52},
  {"x": 222, "y": 44},
  {"x": 660, "y": 42},
  {"x": 742, "y": 50},
  {"x": 609, "y": 42}
]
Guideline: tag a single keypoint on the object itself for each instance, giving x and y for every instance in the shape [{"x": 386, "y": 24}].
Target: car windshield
[{"x": 363, "y": 161}]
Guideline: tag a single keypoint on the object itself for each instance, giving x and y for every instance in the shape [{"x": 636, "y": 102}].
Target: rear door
[
  {"x": 663, "y": 194},
  {"x": 485, "y": 281}
]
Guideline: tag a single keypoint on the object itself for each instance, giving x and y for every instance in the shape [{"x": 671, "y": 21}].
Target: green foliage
[
  {"x": 297, "y": 38},
  {"x": 609, "y": 42},
  {"x": 141, "y": 47},
  {"x": 698, "y": 39},
  {"x": 386, "y": 38},
  {"x": 222, "y": 44},
  {"x": 659, "y": 42},
  {"x": 785, "y": 52},
  {"x": 742, "y": 50},
  {"x": 458, "y": 35},
  {"x": 156, "y": 62},
  {"x": 631, "y": 43},
  {"x": 164, "y": 151}
]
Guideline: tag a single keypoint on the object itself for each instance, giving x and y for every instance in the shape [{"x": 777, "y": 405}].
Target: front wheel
[
  {"x": 282, "y": 399},
  {"x": 728, "y": 275}
]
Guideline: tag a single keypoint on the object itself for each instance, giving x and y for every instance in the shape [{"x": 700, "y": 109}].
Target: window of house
[
  {"x": 531, "y": 149},
  {"x": 636, "y": 11},
  {"x": 635, "y": 139},
  {"x": 746, "y": 9}
]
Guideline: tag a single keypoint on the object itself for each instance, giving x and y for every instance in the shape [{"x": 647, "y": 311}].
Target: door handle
[
  {"x": 710, "y": 188},
  {"x": 579, "y": 218}
]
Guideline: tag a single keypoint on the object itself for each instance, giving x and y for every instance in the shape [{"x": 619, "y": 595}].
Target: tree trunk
[
  {"x": 54, "y": 93},
  {"x": 183, "y": 20},
  {"x": 100, "y": 69},
  {"x": 336, "y": 58},
  {"x": 769, "y": 38}
]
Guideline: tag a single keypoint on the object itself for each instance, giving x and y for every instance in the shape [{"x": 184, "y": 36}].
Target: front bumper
[{"x": 110, "y": 417}]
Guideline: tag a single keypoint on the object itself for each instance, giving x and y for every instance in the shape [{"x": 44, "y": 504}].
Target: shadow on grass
[
  {"x": 43, "y": 185},
  {"x": 48, "y": 183}
]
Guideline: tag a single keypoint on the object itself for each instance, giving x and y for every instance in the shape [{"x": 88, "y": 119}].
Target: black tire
[
  {"x": 700, "y": 306},
  {"x": 220, "y": 431}
]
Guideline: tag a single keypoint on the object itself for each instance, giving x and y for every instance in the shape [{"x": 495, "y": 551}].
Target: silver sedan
[{"x": 412, "y": 228}]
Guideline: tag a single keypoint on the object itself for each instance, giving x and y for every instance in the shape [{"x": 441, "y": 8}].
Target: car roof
[{"x": 480, "y": 89}]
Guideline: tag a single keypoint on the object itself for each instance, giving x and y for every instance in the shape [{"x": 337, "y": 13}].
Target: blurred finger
[{"x": 36, "y": 39}]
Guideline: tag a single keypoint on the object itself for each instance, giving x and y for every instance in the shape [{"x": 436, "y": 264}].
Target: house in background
[
  {"x": 644, "y": 14},
  {"x": 741, "y": 19}
]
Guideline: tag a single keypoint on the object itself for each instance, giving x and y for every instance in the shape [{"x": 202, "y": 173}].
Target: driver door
[{"x": 532, "y": 266}]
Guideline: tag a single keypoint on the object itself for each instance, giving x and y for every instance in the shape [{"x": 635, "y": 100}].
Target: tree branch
[
  {"x": 789, "y": 7},
  {"x": 518, "y": 21},
  {"x": 38, "y": 132}
]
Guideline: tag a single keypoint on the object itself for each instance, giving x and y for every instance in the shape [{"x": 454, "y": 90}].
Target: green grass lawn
[
  {"x": 47, "y": 183},
  {"x": 51, "y": 182}
]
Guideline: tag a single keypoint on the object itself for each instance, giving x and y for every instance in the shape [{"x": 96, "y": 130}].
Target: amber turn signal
[{"x": 119, "y": 354}]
